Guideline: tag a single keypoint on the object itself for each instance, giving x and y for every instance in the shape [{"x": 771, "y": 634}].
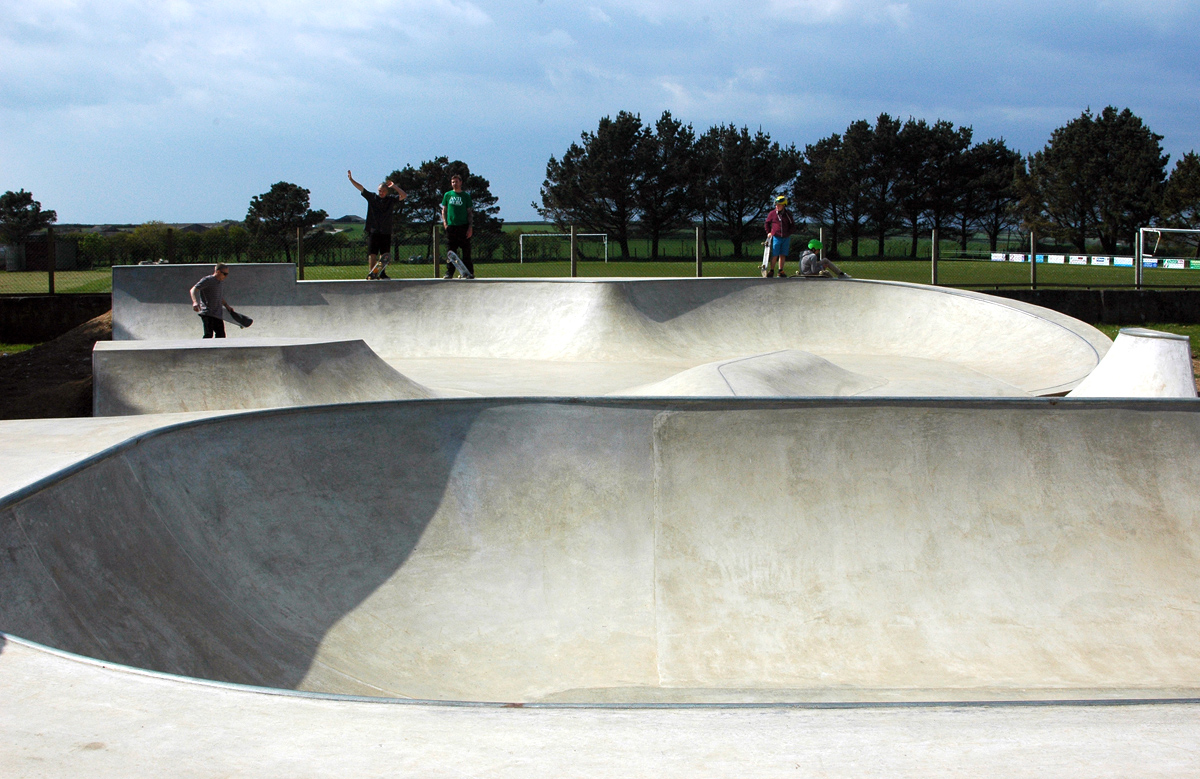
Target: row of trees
[
  {"x": 1100, "y": 177},
  {"x": 271, "y": 222},
  {"x": 662, "y": 177}
]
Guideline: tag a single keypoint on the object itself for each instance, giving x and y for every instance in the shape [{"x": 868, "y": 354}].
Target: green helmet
[{"x": 815, "y": 245}]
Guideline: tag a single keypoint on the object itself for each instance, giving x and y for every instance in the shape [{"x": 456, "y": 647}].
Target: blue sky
[{"x": 123, "y": 111}]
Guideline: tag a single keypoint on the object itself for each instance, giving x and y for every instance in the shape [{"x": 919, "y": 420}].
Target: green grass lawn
[
  {"x": 1191, "y": 331},
  {"x": 37, "y": 282},
  {"x": 7, "y": 349}
]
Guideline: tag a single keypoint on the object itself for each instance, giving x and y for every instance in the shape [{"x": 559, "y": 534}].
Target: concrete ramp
[
  {"x": 788, "y": 373},
  {"x": 634, "y": 550},
  {"x": 595, "y": 336},
  {"x": 1142, "y": 364},
  {"x": 151, "y": 377}
]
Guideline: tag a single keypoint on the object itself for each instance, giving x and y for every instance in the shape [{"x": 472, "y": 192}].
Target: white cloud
[
  {"x": 596, "y": 14},
  {"x": 556, "y": 39}
]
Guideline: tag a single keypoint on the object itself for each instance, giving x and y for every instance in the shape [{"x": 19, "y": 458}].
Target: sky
[{"x": 127, "y": 111}]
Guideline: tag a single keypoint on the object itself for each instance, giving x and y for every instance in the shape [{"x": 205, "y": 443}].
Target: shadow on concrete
[{"x": 226, "y": 549}]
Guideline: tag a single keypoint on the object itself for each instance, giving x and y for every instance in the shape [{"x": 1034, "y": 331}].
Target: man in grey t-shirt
[{"x": 208, "y": 299}]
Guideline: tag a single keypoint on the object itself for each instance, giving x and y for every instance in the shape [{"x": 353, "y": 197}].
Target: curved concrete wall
[
  {"x": 155, "y": 377},
  {"x": 699, "y": 320},
  {"x": 633, "y": 550}
]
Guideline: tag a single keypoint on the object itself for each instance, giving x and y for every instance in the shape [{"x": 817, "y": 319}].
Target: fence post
[
  {"x": 1032, "y": 259},
  {"x": 699, "y": 256},
  {"x": 170, "y": 245},
  {"x": 300, "y": 253},
  {"x": 437, "y": 260},
  {"x": 574, "y": 257},
  {"x": 51, "y": 258},
  {"x": 1139, "y": 249},
  {"x": 933, "y": 258},
  {"x": 821, "y": 239}
]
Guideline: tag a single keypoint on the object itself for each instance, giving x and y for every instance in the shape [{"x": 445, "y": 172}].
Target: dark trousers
[
  {"x": 213, "y": 327},
  {"x": 458, "y": 242}
]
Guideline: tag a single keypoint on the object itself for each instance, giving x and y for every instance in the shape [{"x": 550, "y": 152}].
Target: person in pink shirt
[{"x": 780, "y": 226}]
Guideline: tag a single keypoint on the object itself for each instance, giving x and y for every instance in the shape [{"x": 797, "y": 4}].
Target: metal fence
[{"x": 60, "y": 263}]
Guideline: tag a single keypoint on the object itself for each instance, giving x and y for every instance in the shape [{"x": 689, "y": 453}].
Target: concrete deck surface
[{"x": 64, "y": 717}]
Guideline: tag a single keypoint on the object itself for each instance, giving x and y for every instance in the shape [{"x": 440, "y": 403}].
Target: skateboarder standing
[
  {"x": 208, "y": 298},
  {"x": 378, "y": 230},
  {"x": 780, "y": 226},
  {"x": 458, "y": 218}
]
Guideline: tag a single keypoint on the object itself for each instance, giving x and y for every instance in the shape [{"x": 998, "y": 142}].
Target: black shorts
[{"x": 379, "y": 243}]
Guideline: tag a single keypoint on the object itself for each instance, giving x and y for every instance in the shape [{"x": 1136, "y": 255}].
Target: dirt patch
[{"x": 53, "y": 379}]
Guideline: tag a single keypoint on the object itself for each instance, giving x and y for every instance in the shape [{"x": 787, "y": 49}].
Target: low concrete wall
[
  {"x": 31, "y": 319},
  {"x": 1114, "y": 306}
]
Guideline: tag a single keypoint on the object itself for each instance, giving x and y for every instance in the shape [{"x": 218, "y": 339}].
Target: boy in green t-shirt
[{"x": 458, "y": 218}]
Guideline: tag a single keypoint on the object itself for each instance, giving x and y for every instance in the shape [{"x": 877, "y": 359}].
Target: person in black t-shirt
[{"x": 378, "y": 230}]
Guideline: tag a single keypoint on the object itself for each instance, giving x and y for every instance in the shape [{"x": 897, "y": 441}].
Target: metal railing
[{"x": 59, "y": 263}]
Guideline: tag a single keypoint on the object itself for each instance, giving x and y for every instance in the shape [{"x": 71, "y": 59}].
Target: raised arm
[
  {"x": 357, "y": 186},
  {"x": 400, "y": 193}
]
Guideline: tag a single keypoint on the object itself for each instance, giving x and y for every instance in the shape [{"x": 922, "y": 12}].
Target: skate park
[{"x": 619, "y": 527}]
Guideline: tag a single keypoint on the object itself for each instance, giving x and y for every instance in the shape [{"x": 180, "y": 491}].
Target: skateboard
[
  {"x": 457, "y": 262},
  {"x": 766, "y": 263},
  {"x": 380, "y": 269},
  {"x": 241, "y": 320}
]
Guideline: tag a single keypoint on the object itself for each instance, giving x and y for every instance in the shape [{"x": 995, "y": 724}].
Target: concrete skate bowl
[
  {"x": 632, "y": 550},
  {"x": 595, "y": 337}
]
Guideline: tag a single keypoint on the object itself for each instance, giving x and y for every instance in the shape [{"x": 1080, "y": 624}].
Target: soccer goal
[
  {"x": 1145, "y": 254},
  {"x": 603, "y": 237}
]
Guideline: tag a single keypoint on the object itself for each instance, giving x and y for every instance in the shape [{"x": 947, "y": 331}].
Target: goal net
[{"x": 1166, "y": 247}]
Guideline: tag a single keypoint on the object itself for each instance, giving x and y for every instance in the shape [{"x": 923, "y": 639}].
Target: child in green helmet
[{"x": 813, "y": 264}]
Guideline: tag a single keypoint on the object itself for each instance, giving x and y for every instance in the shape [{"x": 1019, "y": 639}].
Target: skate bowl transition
[
  {"x": 835, "y": 528},
  {"x": 665, "y": 551},
  {"x": 590, "y": 337}
]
